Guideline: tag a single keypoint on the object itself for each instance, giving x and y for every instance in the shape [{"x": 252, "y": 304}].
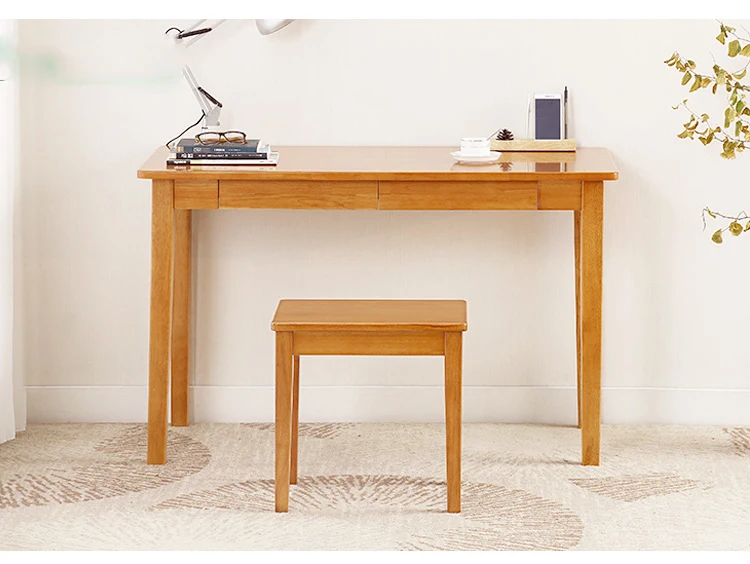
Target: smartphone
[{"x": 548, "y": 116}]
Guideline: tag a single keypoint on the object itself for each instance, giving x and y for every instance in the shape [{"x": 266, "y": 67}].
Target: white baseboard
[{"x": 502, "y": 404}]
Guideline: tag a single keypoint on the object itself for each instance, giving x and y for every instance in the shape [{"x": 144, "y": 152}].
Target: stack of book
[{"x": 189, "y": 152}]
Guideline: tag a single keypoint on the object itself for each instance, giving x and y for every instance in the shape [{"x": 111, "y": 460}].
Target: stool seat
[
  {"x": 365, "y": 327},
  {"x": 370, "y": 315}
]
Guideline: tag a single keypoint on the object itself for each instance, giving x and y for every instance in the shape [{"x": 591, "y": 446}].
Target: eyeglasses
[{"x": 216, "y": 137}]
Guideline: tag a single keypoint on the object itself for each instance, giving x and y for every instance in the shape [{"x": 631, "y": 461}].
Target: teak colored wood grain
[
  {"x": 299, "y": 195},
  {"x": 365, "y": 338},
  {"x": 591, "y": 319},
  {"x": 295, "y": 422},
  {"x": 458, "y": 195},
  {"x": 370, "y": 315},
  {"x": 162, "y": 226},
  {"x": 559, "y": 195},
  {"x": 393, "y": 163},
  {"x": 368, "y": 343},
  {"x": 342, "y": 178},
  {"x": 196, "y": 194},
  {"x": 181, "y": 318},
  {"x": 283, "y": 420},
  {"x": 577, "y": 258},
  {"x": 453, "y": 386}
]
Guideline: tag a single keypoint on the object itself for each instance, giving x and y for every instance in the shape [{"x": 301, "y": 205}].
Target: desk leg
[
  {"x": 592, "y": 217},
  {"x": 577, "y": 247},
  {"x": 181, "y": 318},
  {"x": 162, "y": 224}
]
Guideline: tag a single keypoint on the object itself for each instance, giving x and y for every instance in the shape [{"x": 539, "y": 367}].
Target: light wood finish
[
  {"x": 536, "y": 158},
  {"x": 370, "y": 315},
  {"x": 284, "y": 361},
  {"x": 453, "y": 361},
  {"x": 392, "y": 163},
  {"x": 460, "y": 195},
  {"x": 394, "y": 177},
  {"x": 559, "y": 195},
  {"x": 305, "y": 334},
  {"x": 181, "y": 318},
  {"x": 295, "y": 423},
  {"x": 577, "y": 253},
  {"x": 533, "y": 145},
  {"x": 592, "y": 218},
  {"x": 196, "y": 194},
  {"x": 162, "y": 225},
  {"x": 371, "y": 343},
  {"x": 299, "y": 195}
]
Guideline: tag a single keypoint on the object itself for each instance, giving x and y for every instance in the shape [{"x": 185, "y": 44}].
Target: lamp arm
[{"x": 210, "y": 106}]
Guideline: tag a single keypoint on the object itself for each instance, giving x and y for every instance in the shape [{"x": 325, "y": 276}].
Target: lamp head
[{"x": 267, "y": 27}]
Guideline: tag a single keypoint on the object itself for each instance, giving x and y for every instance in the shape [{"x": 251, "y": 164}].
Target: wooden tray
[{"x": 564, "y": 145}]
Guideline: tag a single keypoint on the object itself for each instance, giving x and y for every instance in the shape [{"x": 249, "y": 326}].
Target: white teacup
[{"x": 475, "y": 146}]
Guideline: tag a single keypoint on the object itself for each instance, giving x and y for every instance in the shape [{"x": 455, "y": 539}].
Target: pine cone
[{"x": 505, "y": 135}]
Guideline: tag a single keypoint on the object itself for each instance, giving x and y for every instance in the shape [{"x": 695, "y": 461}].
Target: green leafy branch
[
  {"x": 735, "y": 227},
  {"x": 734, "y": 133}
]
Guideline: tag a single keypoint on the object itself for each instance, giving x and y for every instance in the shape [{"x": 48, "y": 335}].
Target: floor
[{"x": 376, "y": 487}]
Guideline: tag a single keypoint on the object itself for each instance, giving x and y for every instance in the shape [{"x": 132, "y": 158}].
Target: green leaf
[
  {"x": 728, "y": 117},
  {"x": 740, "y": 75},
  {"x": 745, "y": 51},
  {"x": 686, "y": 78},
  {"x": 721, "y": 38},
  {"x": 734, "y": 48},
  {"x": 696, "y": 84},
  {"x": 716, "y": 237},
  {"x": 690, "y": 64}
]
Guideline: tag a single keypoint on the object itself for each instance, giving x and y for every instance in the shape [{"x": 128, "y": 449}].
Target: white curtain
[{"x": 8, "y": 182}]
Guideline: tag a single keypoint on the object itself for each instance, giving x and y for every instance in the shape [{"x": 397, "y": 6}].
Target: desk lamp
[{"x": 210, "y": 106}]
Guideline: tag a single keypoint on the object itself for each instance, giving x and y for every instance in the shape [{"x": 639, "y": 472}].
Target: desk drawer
[
  {"x": 298, "y": 194},
  {"x": 196, "y": 194},
  {"x": 476, "y": 195}
]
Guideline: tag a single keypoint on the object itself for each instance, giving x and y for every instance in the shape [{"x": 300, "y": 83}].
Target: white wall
[{"x": 99, "y": 96}]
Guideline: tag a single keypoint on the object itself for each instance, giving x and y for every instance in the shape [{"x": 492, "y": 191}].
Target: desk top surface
[{"x": 396, "y": 163}]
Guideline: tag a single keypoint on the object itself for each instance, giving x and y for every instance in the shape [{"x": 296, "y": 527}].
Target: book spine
[
  {"x": 186, "y": 155},
  {"x": 221, "y": 161},
  {"x": 220, "y": 148}
]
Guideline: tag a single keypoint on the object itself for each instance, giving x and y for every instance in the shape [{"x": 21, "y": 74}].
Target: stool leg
[
  {"x": 295, "y": 421},
  {"x": 283, "y": 420},
  {"x": 453, "y": 345},
  {"x": 577, "y": 253}
]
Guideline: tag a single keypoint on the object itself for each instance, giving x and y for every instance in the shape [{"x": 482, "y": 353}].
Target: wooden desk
[{"x": 369, "y": 178}]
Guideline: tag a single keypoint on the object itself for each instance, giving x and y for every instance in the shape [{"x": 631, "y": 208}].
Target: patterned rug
[{"x": 376, "y": 487}]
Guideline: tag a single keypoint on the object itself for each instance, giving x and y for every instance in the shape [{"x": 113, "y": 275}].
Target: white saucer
[{"x": 484, "y": 159}]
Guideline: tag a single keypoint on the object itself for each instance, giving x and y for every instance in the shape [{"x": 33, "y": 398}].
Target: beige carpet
[{"x": 376, "y": 487}]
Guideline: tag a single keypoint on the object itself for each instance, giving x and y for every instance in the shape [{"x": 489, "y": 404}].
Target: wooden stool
[{"x": 365, "y": 327}]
